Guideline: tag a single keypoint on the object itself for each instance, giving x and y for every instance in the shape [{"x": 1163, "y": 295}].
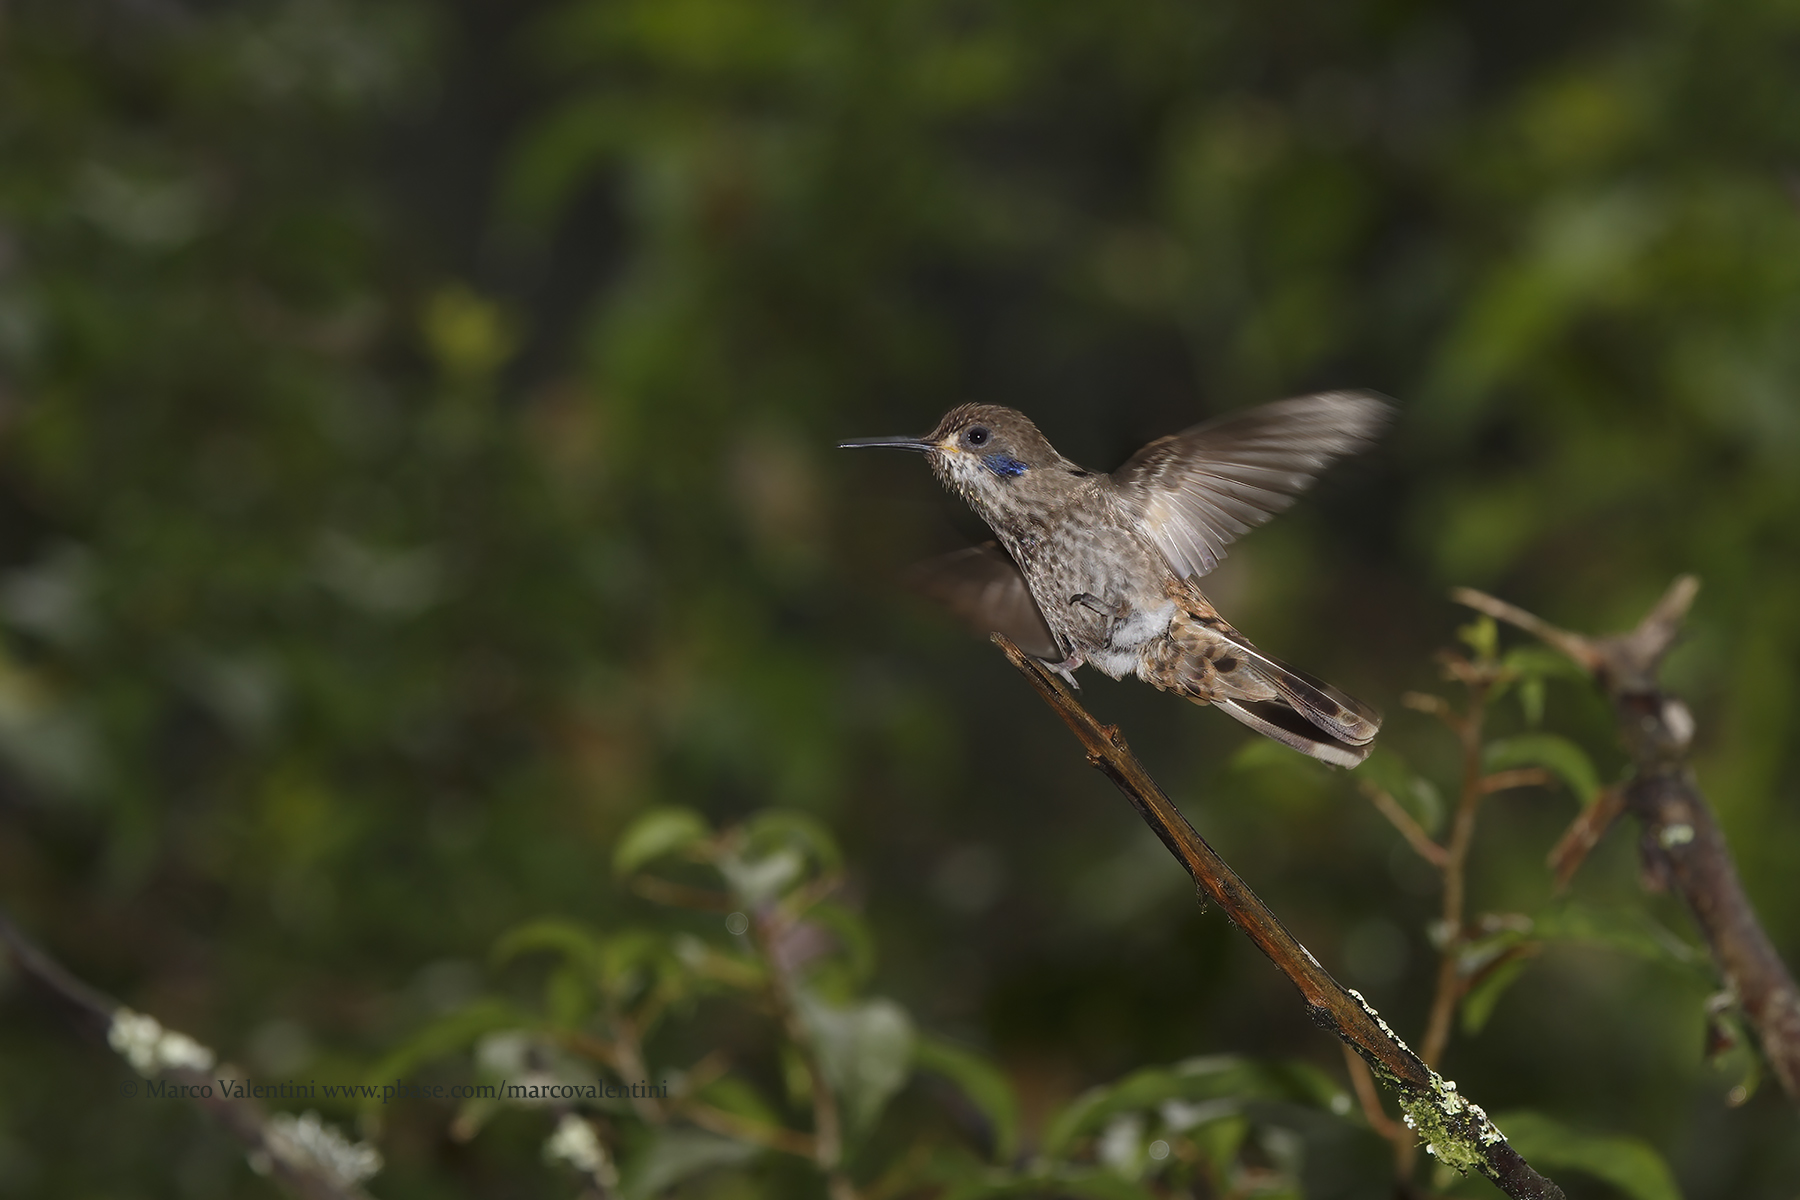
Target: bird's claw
[{"x": 1066, "y": 668}]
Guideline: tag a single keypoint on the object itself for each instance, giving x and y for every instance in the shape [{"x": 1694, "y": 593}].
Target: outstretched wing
[
  {"x": 1194, "y": 492},
  {"x": 982, "y": 585}
]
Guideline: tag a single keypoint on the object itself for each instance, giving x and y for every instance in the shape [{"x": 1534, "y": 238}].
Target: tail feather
[
  {"x": 1209, "y": 662},
  {"x": 1273, "y": 719},
  {"x": 1346, "y": 719}
]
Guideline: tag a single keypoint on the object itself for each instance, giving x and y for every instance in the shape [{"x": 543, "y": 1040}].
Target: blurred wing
[
  {"x": 983, "y": 586},
  {"x": 1194, "y": 492}
]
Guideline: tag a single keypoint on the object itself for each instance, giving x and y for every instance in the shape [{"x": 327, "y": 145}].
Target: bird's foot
[
  {"x": 1066, "y": 668},
  {"x": 1111, "y": 614},
  {"x": 1095, "y": 604}
]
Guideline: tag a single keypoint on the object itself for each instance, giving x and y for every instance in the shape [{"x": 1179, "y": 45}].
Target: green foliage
[
  {"x": 656, "y": 833},
  {"x": 1417, "y": 794},
  {"x": 1486, "y": 989},
  {"x": 1631, "y": 1166},
  {"x": 674, "y": 1155},
  {"x": 985, "y": 1086},
  {"x": 865, "y": 1051},
  {"x": 1179, "y": 1092},
  {"x": 1569, "y": 761},
  {"x": 845, "y": 1059}
]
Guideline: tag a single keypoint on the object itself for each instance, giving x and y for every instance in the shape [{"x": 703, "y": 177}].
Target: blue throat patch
[{"x": 1000, "y": 464}]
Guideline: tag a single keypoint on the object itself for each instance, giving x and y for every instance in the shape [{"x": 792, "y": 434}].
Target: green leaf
[
  {"x": 757, "y": 881},
  {"x": 1481, "y": 636},
  {"x": 733, "y": 1095},
  {"x": 556, "y": 936},
  {"x": 1531, "y": 699},
  {"x": 1541, "y": 662},
  {"x": 865, "y": 1051},
  {"x": 982, "y": 1082},
  {"x": 677, "y": 1154},
  {"x": 797, "y": 831},
  {"x": 448, "y": 1035},
  {"x": 1219, "y": 1143},
  {"x": 1628, "y": 929},
  {"x": 1478, "y": 1004},
  {"x": 1208, "y": 1078},
  {"x": 1558, "y": 754},
  {"x": 1418, "y": 795},
  {"x": 1628, "y": 1164},
  {"x": 659, "y": 832},
  {"x": 568, "y": 997}
]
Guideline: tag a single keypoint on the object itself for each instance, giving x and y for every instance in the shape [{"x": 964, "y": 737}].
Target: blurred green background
[{"x": 415, "y": 462}]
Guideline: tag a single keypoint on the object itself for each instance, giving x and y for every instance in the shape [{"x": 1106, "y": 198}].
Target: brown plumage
[{"x": 1103, "y": 569}]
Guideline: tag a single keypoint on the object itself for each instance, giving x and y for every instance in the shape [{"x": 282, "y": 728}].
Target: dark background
[{"x": 415, "y": 461}]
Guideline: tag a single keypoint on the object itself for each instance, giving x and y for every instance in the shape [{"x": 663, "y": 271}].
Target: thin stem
[
  {"x": 743, "y": 1129},
  {"x": 1362, "y": 1082},
  {"x": 1456, "y": 858},
  {"x": 1411, "y": 830},
  {"x": 1518, "y": 777},
  {"x": 827, "y": 1138}
]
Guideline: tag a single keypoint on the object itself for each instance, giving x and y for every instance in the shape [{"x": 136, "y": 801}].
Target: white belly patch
[{"x": 1123, "y": 651}]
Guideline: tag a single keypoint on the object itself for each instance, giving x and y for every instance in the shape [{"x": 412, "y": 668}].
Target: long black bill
[{"x": 898, "y": 443}]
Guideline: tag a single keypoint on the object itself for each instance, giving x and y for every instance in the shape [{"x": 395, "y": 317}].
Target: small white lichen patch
[
  {"x": 1678, "y": 721},
  {"x": 1675, "y": 835},
  {"x": 150, "y": 1048},
  {"x": 576, "y": 1143},
  {"x": 306, "y": 1143},
  {"x": 1376, "y": 1017}
]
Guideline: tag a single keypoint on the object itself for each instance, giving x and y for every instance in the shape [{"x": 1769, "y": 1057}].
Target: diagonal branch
[
  {"x": 1682, "y": 843},
  {"x": 301, "y": 1155},
  {"x": 1455, "y": 1129}
]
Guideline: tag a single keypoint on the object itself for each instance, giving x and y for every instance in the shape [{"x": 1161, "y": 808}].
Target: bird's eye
[{"x": 977, "y": 435}]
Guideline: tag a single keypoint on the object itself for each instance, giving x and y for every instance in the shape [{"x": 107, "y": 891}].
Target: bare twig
[
  {"x": 1584, "y": 833},
  {"x": 1368, "y": 1099},
  {"x": 291, "y": 1160},
  {"x": 1455, "y": 1129},
  {"x": 1411, "y": 830},
  {"x": 678, "y": 895},
  {"x": 1449, "y": 988},
  {"x": 1682, "y": 844},
  {"x": 1518, "y": 777}
]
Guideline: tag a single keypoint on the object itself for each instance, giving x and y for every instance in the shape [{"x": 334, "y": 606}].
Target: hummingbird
[{"x": 1104, "y": 569}]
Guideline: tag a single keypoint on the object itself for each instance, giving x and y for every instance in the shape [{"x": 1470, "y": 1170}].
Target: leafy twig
[
  {"x": 743, "y": 1129},
  {"x": 1456, "y": 1130},
  {"x": 302, "y": 1155},
  {"x": 1410, "y": 829},
  {"x": 1584, "y": 833},
  {"x": 1682, "y": 844},
  {"x": 1449, "y": 987},
  {"x": 827, "y": 1141}
]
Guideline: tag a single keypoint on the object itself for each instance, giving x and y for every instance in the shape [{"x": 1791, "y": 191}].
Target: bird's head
[{"x": 993, "y": 457}]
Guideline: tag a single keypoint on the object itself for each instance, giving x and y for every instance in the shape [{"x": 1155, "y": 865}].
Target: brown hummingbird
[{"x": 1104, "y": 569}]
